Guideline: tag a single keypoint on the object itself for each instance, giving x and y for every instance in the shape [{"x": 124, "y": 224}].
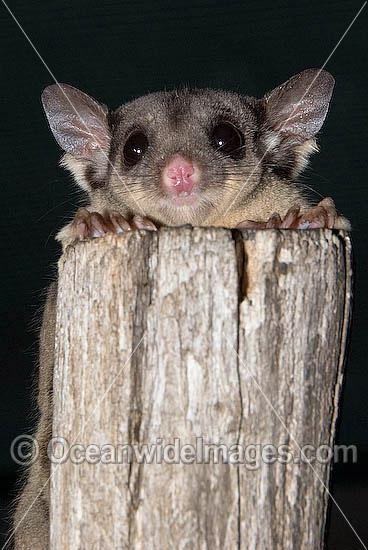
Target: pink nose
[{"x": 180, "y": 176}]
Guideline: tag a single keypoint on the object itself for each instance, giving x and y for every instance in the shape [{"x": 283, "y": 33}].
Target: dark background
[{"x": 116, "y": 50}]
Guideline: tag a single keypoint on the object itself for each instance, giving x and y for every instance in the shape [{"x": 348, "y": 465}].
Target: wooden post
[{"x": 187, "y": 338}]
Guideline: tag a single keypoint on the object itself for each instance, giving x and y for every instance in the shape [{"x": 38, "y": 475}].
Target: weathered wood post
[{"x": 190, "y": 338}]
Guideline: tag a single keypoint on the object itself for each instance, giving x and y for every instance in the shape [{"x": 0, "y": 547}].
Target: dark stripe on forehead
[{"x": 177, "y": 104}]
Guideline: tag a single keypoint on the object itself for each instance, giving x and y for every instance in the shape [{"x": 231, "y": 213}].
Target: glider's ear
[
  {"x": 78, "y": 122},
  {"x": 298, "y": 108}
]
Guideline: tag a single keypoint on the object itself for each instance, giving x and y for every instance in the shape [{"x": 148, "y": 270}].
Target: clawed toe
[
  {"x": 142, "y": 223},
  {"x": 119, "y": 223},
  {"x": 274, "y": 221},
  {"x": 90, "y": 225},
  {"x": 324, "y": 214}
]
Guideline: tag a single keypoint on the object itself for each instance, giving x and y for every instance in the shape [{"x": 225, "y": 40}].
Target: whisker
[
  {"x": 314, "y": 191},
  {"x": 54, "y": 208}
]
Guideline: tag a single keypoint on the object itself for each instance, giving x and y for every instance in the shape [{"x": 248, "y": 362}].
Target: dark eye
[
  {"x": 134, "y": 148},
  {"x": 227, "y": 139}
]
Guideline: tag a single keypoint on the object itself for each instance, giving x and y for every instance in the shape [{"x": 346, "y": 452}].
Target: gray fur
[{"x": 252, "y": 187}]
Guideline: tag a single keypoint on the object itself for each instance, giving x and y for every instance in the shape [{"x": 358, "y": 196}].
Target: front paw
[
  {"x": 322, "y": 215},
  {"x": 90, "y": 225}
]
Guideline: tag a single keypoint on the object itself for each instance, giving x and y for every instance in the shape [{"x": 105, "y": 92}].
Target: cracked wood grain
[{"x": 210, "y": 343}]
